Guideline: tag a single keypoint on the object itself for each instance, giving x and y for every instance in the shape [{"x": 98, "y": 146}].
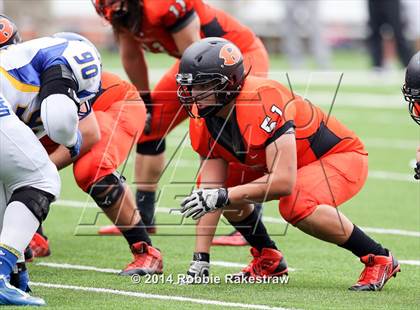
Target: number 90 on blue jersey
[{"x": 89, "y": 69}]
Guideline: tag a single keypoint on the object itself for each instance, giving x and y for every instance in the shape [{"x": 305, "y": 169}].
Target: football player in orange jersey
[
  {"x": 168, "y": 26},
  {"x": 411, "y": 92},
  {"x": 120, "y": 116},
  {"x": 288, "y": 149}
]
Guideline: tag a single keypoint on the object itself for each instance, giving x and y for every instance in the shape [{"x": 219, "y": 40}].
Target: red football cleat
[
  {"x": 147, "y": 260},
  {"x": 113, "y": 230},
  {"x": 110, "y": 230},
  {"x": 378, "y": 270},
  {"x": 267, "y": 263},
  {"x": 233, "y": 239},
  {"x": 40, "y": 246}
]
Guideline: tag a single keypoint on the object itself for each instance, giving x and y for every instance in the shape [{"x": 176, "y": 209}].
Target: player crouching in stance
[
  {"x": 298, "y": 155},
  {"x": 118, "y": 118},
  {"x": 411, "y": 92},
  {"x": 120, "y": 114}
]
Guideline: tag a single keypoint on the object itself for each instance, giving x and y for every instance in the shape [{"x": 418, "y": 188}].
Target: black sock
[
  {"x": 253, "y": 230},
  {"x": 201, "y": 257},
  {"x": 136, "y": 234},
  {"x": 41, "y": 232},
  {"x": 146, "y": 204},
  {"x": 361, "y": 244}
]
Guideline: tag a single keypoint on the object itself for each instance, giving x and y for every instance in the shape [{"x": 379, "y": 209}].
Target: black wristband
[{"x": 223, "y": 199}]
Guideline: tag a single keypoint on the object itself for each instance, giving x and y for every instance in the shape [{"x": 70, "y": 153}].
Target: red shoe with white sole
[
  {"x": 378, "y": 270},
  {"x": 147, "y": 260}
]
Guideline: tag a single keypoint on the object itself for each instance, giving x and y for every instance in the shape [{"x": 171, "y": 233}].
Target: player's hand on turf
[
  {"x": 75, "y": 149},
  {"x": 147, "y": 99},
  {"x": 417, "y": 171},
  {"x": 203, "y": 201}
]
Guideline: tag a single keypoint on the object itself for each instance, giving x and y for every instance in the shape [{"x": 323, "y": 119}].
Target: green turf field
[{"x": 389, "y": 203}]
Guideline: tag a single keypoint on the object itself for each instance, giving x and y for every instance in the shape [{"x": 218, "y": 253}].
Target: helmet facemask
[
  {"x": 122, "y": 14},
  {"x": 412, "y": 96},
  {"x": 208, "y": 84}
]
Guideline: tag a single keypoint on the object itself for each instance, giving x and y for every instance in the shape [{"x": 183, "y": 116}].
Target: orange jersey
[
  {"x": 161, "y": 18},
  {"x": 114, "y": 89},
  {"x": 263, "y": 112}
]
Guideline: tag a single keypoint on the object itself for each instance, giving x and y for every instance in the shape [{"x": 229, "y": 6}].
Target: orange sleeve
[
  {"x": 273, "y": 111},
  {"x": 171, "y": 14},
  {"x": 114, "y": 89}
]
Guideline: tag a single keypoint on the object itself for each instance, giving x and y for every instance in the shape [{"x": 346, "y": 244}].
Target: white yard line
[
  {"x": 77, "y": 267},
  {"x": 392, "y": 176},
  {"x": 154, "y": 296},
  {"x": 410, "y": 262},
  {"x": 391, "y": 143},
  {"x": 398, "y": 232},
  {"x": 383, "y": 231},
  {"x": 267, "y": 219}
]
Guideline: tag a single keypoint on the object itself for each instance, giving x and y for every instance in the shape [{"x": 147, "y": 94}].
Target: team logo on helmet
[
  {"x": 230, "y": 54},
  {"x": 6, "y": 30}
]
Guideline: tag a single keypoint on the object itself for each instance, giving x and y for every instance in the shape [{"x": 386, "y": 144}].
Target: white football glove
[{"x": 203, "y": 201}]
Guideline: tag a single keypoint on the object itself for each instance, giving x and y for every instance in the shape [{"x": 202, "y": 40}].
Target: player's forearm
[
  {"x": 90, "y": 131},
  {"x": 136, "y": 68},
  {"x": 266, "y": 188},
  {"x": 61, "y": 157}
]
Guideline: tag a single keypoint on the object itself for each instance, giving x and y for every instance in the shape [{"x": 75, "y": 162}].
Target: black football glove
[
  {"x": 417, "y": 171},
  {"x": 147, "y": 99}
]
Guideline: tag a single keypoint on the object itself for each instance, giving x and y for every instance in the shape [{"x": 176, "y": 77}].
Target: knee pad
[
  {"x": 107, "y": 191},
  {"x": 36, "y": 200},
  {"x": 155, "y": 147}
]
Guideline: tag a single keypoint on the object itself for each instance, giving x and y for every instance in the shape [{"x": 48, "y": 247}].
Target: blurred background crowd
[{"x": 303, "y": 31}]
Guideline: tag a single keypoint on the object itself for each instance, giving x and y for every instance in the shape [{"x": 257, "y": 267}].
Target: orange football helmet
[{"x": 8, "y": 31}]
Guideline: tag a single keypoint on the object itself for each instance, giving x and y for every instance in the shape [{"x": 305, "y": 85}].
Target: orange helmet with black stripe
[{"x": 8, "y": 31}]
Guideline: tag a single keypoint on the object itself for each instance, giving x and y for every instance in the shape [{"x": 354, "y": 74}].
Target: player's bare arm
[
  {"x": 187, "y": 35},
  {"x": 91, "y": 134},
  {"x": 281, "y": 164},
  {"x": 132, "y": 56},
  {"x": 212, "y": 172}
]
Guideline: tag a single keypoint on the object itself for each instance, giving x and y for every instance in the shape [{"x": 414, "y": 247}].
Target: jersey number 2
[
  {"x": 268, "y": 125},
  {"x": 88, "y": 70}
]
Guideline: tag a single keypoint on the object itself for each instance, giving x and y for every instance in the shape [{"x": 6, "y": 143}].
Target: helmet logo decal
[
  {"x": 6, "y": 30},
  {"x": 230, "y": 54}
]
